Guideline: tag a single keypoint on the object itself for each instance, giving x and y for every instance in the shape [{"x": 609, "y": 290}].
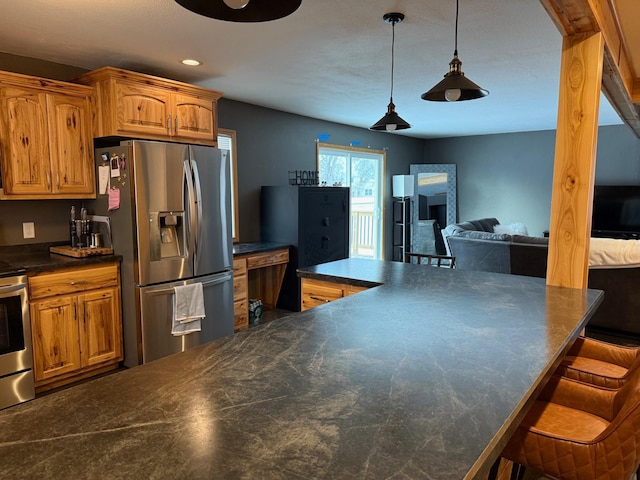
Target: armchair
[{"x": 576, "y": 431}]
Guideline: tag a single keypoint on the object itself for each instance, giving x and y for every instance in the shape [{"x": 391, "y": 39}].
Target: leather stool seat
[
  {"x": 599, "y": 363},
  {"x": 564, "y": 421},
  {"x": 577, "y": 431}
]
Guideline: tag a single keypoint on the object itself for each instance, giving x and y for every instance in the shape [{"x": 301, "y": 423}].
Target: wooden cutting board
[{"x": 80, "y": 252}]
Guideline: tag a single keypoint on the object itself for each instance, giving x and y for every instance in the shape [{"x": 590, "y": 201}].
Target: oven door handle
[{"x": 11, "y": 287}]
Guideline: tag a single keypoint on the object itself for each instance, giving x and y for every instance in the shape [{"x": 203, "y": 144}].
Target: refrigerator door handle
[
  {"x": 198, "y": 207},
  {"x": 214, "y": 281},
  {"x": 190, "y": 207}
]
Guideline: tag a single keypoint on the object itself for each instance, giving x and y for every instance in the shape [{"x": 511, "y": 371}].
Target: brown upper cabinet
[
  {"x": 46, "y": 139},
  {"x": 130, "y": 104}
]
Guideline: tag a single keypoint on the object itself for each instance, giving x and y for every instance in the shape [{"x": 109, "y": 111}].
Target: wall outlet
[{"x": 28, "y": 230}]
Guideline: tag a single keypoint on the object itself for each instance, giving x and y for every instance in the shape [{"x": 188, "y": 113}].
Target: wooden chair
[{"x": 443, "y": 261}]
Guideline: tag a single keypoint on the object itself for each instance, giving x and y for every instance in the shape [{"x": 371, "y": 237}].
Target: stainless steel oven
[{"x": 16, "y": 356}]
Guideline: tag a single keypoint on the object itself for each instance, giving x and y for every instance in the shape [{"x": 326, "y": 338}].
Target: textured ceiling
[{"x": 328, "y": 60}]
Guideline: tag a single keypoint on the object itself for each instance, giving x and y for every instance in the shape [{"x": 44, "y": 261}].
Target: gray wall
[
  {"x": 270, "y": 143},
  {"x": 509, "y": 176}
]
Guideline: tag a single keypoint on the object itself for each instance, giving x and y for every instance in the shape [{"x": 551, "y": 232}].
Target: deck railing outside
[{"x": 362, "y": 227}]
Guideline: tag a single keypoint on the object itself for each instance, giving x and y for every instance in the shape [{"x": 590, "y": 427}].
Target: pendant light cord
[
  {"x": 455, "y": 50},
  {"x": 393, "y": 42}
]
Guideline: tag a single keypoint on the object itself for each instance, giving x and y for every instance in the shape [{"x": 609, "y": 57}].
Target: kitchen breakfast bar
[{"x": 422, "y": 376}]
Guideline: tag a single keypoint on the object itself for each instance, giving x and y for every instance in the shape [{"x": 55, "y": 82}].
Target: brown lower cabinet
[
  {"x": 76, "y": 323},
  {"x": 319, "y": 292},
  {"x": 257, "y": 275},
  {"x": 240, "y": 294}
]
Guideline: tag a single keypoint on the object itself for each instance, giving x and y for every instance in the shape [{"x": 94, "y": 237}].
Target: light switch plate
[{"x": 28, "y": 230}]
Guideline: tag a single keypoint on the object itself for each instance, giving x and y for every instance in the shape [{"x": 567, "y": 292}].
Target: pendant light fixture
[
  {"x": 391, "y": 121},
  {"x": 455, "y": 87},
  {"x": 242, "y": 10}
]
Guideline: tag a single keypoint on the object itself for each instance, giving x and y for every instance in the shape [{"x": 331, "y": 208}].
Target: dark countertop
[
  {"x": 256, "y": 247},
  {"x": 422, "y": 377},
  {"x": 37, "y": 258}
]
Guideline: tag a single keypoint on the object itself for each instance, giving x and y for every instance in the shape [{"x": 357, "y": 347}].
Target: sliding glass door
[{"x": 363, "y": 171}]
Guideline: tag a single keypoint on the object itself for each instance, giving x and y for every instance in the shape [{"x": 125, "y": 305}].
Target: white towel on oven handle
[{"x": 188, "y": 309}]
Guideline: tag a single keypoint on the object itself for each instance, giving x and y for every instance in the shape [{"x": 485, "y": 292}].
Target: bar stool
[
  {"x": 577, "y": 431},
  {"x": 444, "y": 261},
  {"x": 599, "y": 363}
]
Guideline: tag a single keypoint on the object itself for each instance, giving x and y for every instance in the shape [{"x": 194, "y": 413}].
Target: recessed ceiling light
[{"x": 191, "y": 62}]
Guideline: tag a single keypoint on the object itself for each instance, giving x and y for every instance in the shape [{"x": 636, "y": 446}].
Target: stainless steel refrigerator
[{"x": 172, "y": 227}]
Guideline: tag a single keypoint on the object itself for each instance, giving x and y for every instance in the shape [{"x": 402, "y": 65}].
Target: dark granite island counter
[{"x": 419, "y": 378}]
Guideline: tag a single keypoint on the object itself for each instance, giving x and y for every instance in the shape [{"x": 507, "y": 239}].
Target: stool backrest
[{"x": 444, "y": 261}]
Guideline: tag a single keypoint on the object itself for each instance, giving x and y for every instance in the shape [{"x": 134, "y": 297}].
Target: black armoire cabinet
[{"x": 314, "y": 220}]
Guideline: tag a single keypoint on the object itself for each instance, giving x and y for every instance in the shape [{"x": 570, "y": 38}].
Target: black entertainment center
[{"x": 616, "y": 211}]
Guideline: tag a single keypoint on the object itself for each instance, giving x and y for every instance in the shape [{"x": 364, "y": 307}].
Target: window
[
  {"x": 227, "y": 141},
  {"x": 363, "y": 171}
]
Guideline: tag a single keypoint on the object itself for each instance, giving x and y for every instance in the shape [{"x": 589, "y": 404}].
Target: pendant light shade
[
  {"x": 242, "y": 10},
  {"x": 391, "y": 121},
  {"x": 455, "y": 87}
]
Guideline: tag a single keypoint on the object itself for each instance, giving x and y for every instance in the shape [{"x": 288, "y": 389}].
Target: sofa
[
  {"x": 477, "y": 247},
  {"x": 614, "y": 267}
]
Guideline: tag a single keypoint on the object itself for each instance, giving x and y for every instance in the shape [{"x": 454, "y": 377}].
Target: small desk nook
[{"x": 258, "y": 271}]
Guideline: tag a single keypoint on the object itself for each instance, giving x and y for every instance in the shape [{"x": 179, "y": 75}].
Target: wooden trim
[
  {"x": 62, "y": 380},
  {"x": 234, "y": 166},
  {"x": 575, "y": 159},
  {"x": 350, "y": 148},
  {"x": 615, "y": 91},
  {"x": 109, "y": 73},
  {"x": 44, "y": 84},
  {"x": 383, "y": 176}
]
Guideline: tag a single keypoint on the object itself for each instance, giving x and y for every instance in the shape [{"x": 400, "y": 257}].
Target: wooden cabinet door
[
  {"x": 100, "y": 326},
  {"x": 71, "y": 144},
  {"x": 142, "y": 110},
  {"x": 240, "y": 294},
  {"x": 317, "y": 292},
  {"x": 54, "y": 331},
  {"x": 194, "y": 118},
  {"x": 25, "y": 151}
]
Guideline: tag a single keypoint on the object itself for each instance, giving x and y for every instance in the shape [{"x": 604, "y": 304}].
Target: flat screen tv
[{"x": 616, "y": 211}]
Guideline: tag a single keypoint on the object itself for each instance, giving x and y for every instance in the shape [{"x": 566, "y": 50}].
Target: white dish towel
[{"x": 188, "y": 309}]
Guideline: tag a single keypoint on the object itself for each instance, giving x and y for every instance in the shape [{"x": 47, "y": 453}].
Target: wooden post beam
[
  {"x": 620, "y": 83},
  {"x": 575, "y": 160}
]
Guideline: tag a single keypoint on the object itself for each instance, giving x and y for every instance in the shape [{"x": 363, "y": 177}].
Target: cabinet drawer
[
  {"x": 74, "y": 280},
  {"x": 316, "y": 293},
  {"x": 241, "y": 321},
  {"x": 268, "y": 258},
  {"x": 240, "y": 286},
  {"x": 240, "y": 314},
  {"x": 239, "y": 266}
]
